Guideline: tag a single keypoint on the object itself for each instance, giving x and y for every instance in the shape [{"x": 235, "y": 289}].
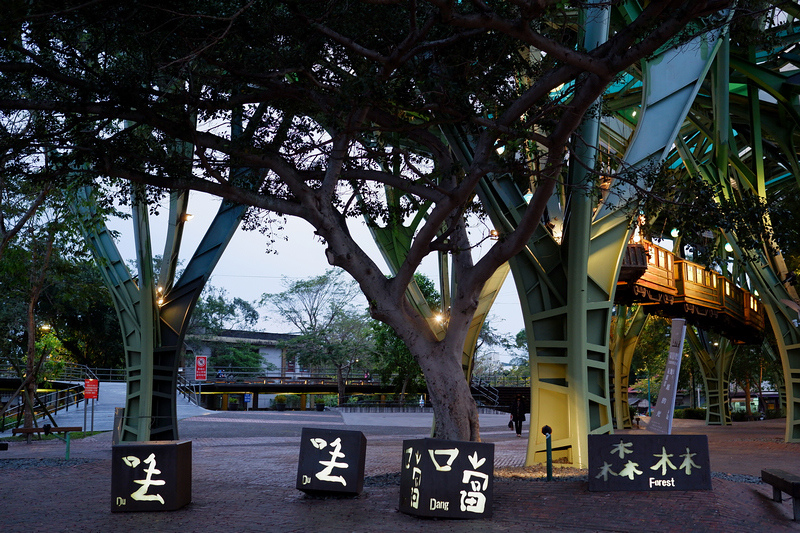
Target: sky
[{"x": 247, "y": 271}]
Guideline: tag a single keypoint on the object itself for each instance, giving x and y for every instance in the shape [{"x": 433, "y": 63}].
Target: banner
[{"x": 661, "y": 421}]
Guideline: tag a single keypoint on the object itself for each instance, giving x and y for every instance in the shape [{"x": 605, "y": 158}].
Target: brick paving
[{"x": 244, "y": 468}]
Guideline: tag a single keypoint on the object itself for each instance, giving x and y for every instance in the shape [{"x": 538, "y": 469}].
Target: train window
[
  {"x": 690, "y": 272},
  {"x": 727, "y": 288},
  {"x": 661, "y": 259}
]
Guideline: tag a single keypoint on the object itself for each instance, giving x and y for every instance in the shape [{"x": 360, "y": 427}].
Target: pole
[{"x": 546, "y": 431}]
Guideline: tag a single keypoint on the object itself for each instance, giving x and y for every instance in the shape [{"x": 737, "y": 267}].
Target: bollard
[{"x": 546, "y": 431}]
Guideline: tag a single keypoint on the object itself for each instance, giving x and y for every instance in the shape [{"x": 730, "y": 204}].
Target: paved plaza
[{"x": 245, "y": 463}]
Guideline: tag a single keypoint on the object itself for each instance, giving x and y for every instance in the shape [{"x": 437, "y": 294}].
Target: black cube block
[
  {"x": 649, "y": 462},
  {"x": 447, "y": 479},
  {"x": 151, "y": 476},
  {"x": 331, "y": 461}
]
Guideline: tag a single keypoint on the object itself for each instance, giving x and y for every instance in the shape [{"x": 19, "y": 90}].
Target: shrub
[{"x": 691, "y": 413}]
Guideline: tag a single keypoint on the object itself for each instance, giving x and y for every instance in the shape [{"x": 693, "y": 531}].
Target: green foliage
[
  {"x": 691, "y": 413},
  {"x": 520, "y": 364},
  {"x": 490, "y": 345},
  {"x": 240, "y": 355},
  {"x": 216, "y": 312},
  {"x": 280, "y": 398},
  {"x": 344, "y": 344},
  {"x": 651, "y": 355},
  {"x": 391, "y": 357},
  {"x": 332, "y": 334}
]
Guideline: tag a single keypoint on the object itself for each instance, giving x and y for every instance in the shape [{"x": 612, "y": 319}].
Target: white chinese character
[
  {"x": 336, "y": 453},
  {"x": 141, "y": 494},
  {"x": 664, "y": 462}
]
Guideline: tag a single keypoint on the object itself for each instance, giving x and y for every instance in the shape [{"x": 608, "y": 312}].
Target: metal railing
[
  {"x": 484, "y": 393},
  {"x": 259, "y": 375},
  {"x": 48, "y": 402}
]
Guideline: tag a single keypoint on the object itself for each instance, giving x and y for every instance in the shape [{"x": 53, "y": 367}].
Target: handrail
[
  {"x": 53, "y": 401},
  {"x": 188, "y": 389}
]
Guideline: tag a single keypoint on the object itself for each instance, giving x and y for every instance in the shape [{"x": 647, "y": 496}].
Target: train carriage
[{"x": 672, "y": 287}]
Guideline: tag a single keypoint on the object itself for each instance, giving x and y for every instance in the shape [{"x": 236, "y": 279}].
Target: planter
[
  {"x": 320, "y": 406},
  {"x": 280, "y": 406}
]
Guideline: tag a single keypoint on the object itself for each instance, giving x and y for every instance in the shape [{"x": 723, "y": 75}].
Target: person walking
[{"x": 518, "y": 413}]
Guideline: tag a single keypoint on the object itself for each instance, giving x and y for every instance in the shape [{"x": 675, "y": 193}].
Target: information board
[
  {"x": 91, "y": 387},
  {"x": 200, "y": 368}
]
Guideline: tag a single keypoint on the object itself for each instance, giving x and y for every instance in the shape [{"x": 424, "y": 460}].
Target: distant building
[{"x": 267, "y": 345}]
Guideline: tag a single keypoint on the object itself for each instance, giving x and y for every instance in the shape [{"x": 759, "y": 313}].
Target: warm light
[
  {"x": 187, "y": 217},
  {"x": 46, "y": 327},
  {"x": 634, "y": 113},
  {"x": 728, "y": 247},
  {"x": 500, "y": 150},
  {"x": 160, "y": 302},
  {"x": 160, "y": 290},
  {"x": 494, "y": 234},
  {"x": 674, "y": 232},
  {"x": 438, "y": 317}
]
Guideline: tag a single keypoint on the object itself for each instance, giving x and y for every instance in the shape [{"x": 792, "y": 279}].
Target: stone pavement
[{"x": 245, "y": 463}]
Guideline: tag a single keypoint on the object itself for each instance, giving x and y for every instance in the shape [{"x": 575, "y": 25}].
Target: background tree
[
  {"x": 650, "y": 357},
  {"x": 520, "y": 363},
  {"x": 332, "y": 120},
  {"x": 31, "y": 263},
  {"x": 491, "y": 344},
  {"x": 332, "y": 333},
  {"x": 344, "y": 344},
  {"x": 78, "y": 308},
  {"x": 214, "y": 313}
]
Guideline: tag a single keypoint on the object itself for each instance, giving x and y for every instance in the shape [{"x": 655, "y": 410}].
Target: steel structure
[
  {"x": 684, "y": 109},
  {"x": 154, "y": 311}
]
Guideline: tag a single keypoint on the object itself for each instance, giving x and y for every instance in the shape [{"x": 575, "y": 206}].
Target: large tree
[{"x": 336, "y": 111}]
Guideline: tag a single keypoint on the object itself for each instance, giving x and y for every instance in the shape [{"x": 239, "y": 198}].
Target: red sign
[
  {"x": 90, "y": 389},
  {"x": 200, "y": 367}
]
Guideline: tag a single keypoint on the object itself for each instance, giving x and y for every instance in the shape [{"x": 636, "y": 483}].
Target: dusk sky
[{"x": 247, "y": 271}]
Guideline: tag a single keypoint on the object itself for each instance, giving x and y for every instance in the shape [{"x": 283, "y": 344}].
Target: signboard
[
  {"x": 331, "y": 461},
  {"x": 248, "y": 397},
  {"x": 151, "y": 476},
  {"x": 447, "y": 479},
  {"x": 661, "y": 420},
  {"x": 91, "y": 387},
  {"x": 200, "y": 368},
  {"x": 649, "y": 462}
]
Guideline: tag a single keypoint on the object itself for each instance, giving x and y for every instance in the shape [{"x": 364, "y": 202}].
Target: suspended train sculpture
[{"x": 669, "y": 286}]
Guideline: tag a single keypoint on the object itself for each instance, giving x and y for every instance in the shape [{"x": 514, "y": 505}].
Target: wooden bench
[
  {"x": 47, "y": 429},
  {"x": 784, "y": 482}
]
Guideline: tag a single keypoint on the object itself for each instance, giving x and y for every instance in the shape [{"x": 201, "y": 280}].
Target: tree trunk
[
  {"x": 454, "y": 410},
  {"x": 403, "y": 390},
  {"x": 747, "y": 399},
  {"x": 340, "y": 385}
]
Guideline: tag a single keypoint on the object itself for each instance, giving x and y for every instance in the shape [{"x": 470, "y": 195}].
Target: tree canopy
[{"x": 332, "y": 112}]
